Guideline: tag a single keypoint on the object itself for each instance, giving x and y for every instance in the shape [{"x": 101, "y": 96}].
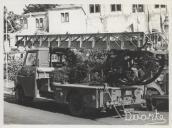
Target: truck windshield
[{"x": 31, "y": 59}]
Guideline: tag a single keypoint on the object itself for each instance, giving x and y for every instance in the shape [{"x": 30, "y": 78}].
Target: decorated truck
[{"x": 86, "y": 79}]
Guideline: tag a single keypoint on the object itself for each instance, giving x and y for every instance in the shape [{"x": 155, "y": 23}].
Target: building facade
[
  {"x": 98, "y": 18},
  {"x": 67, "y": 19}
]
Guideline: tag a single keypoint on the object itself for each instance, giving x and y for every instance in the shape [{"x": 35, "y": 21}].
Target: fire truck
[{"x": 53, "y": 70}]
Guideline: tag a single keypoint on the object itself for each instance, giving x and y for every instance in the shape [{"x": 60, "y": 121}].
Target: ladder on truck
[
  {"x": 104, "y": 41},
  {"x": 157, "y": 42}
]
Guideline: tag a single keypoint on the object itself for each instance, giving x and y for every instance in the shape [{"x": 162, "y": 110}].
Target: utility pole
[
  {"x": 6, "y": 31},
  {"x": 148, "y": 19},
  {"x": 5, "y": 46},
  {"x": 161, "y": 27}
]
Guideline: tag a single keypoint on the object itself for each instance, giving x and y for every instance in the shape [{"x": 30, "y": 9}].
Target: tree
[
  {"x": 38, "y": 7},
  {"x": 11, "y": 25},
  {"x": 11, "y": 21}
]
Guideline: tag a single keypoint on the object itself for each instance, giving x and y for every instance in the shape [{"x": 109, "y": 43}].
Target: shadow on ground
[{"x": 54, "y": 107}]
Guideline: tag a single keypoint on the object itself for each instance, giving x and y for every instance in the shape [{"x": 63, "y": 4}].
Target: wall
[
  {"x": 31, "y": 24},
  {"x": 31, "y": 21},
  {"x": 107, "y": 21},
  {"x": 76, "y": 24},
  {"x": 93, "y": 21},
  {"x": 155, "y": 17}
]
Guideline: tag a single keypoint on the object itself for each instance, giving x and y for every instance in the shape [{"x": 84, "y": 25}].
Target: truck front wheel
[
  {"x": 76, "y": 106},
  {"x": 20, "y": 96}
]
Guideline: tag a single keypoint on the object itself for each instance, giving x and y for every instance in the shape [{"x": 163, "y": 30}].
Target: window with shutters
[
  {"x": 138, "y": 8},
  {"x": 115, "y": 7},
  {"x": 64, "y": 17},
  {"x": 39, "y": 23},
  {"x": 157, "y": 6},
  {"x": 95, "y": 8},
  {"x": 24, "y": 23}
]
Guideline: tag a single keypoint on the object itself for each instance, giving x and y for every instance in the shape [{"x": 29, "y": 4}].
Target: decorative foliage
[
  {"x": 12, "y": 20},
  {"x": 81, "y": 66},
  {"x": 133, "y": 67},
  {"x": 115, "y": 67},
  {"x": 13, "y": 66},
  {"x": 88, "y": 67}
]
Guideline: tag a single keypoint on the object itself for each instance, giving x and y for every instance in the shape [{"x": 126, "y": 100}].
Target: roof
[
  {"x": 59, "y": 7},
  {"x": 68, "y": 7},
  {"x": 35, "y": 14}
]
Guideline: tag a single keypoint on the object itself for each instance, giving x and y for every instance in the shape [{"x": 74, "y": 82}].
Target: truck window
[
  {"x": 31, "y": 59},
  {"x": 43, "y": 58},
  {"x": 58, "y": 60}
]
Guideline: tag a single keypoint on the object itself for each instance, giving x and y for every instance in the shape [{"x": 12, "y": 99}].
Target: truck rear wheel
[
  {"x": 76, "y": 106},
  {"x": 20, "y": 96}
]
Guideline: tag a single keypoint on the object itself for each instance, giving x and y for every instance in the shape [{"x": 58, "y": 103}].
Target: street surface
[{"x": 48, "y": 112}]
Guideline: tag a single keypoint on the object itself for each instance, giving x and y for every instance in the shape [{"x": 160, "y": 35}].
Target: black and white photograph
[{"x": 86, "y": 63}]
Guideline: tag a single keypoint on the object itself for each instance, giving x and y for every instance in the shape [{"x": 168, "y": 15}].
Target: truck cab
[{"x": 25, "y": 83}]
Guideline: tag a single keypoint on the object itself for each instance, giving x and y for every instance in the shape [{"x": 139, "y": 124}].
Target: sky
[{"x": 15, "y": 5}]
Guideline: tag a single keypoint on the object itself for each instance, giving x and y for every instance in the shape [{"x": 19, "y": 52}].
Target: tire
[
  {"x": 76, "y": 106},
  {"x": 20, "y": 96}
]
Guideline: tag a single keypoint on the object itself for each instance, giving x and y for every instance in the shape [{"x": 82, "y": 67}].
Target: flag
[
  {"x": 132, "y": 28},
  {"x": 148, "y": 21},
  {"x": 138, "y": 20},
  {"x": 161, "y": 24}
]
